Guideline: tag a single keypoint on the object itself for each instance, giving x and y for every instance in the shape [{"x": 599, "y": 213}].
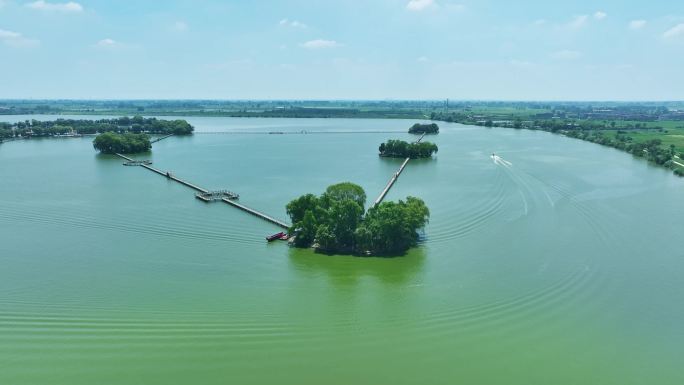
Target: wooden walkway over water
[
  {"x": 204, "y": 192},
  {"x": 160, "y": 138},
  {"x": 257, "y": 213},
  {"x": 394, "y": 178},
  {"x": 302, "y": 132},
  {"x": 201, "y": 190}
]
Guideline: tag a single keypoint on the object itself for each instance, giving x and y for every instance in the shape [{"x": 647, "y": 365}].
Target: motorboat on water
[{"x": 280, "y": 235}]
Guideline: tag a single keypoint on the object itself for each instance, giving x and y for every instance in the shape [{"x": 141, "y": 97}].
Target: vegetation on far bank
[
  {"x": 136, "y": 124},
  {"x": 659, "y": 142},
  {"x": 126, "y": 143},
  {"x": 640, "y": 121},
  {"x": 335, "y": 222},
  {"x": 402, "y": 149},
  {"x": 418, "y": 128},
  {"x": 226, "y": 108}
]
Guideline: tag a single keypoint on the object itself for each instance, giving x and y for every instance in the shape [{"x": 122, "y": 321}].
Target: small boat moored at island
[{"x": 281, "y": 235}]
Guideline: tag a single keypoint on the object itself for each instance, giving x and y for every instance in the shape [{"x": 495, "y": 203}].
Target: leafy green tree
[
  {"x": 306, "y": 230},
  {"x": 346, "y": 190},
  {"x": 392, "y": 226},
  {"x": 344, "y": 216},
  {"x": 326, "y": 238},
  {"x": 363, "y": 238},
  {"x": 298, "y": 207}
]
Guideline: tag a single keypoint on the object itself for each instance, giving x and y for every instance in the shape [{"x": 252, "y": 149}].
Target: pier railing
[{"x": 208, "y": 195}]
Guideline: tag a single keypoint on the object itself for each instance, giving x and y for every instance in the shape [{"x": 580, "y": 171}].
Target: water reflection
[{"x": 349, "y": 270}]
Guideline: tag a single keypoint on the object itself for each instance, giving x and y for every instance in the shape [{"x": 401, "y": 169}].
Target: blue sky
[{"x": 327, "y": 49}]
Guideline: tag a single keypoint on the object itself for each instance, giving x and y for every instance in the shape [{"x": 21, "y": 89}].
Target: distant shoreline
[{"x": 640, "y": 130}]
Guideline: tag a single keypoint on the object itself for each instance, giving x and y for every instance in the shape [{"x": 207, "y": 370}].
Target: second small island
[
  {"x": 401, "y": 149},
  {"x": 431, "y": 128},
  {"x": 126, "y": 143}
]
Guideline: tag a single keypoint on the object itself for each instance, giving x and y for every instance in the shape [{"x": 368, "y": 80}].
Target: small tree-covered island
[
  {"x": 335, "y": 222},
  {"x": 418, "y": 128},
  {"x": 402, "y": 149},
  {"x": 126, "y": 143},
  {"x": 137, "y": 124}
]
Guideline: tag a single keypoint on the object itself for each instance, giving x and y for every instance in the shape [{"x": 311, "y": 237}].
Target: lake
[{"x": 560, "y": 263}]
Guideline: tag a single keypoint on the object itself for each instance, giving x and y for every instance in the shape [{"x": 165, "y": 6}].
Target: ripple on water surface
[{"x": 526, "y": 263}]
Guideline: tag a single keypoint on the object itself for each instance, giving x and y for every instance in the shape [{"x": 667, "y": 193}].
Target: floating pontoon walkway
[
  {"x": 160, "y": 138},
  {"x": 137, "y": 162},
  {"x": 302, "y": 132},
  {"x": 205, "y": 192},
  {"x": 391, "y": 182},
  {"x": 257, "y": 213},
  {"x": 394, "y": 178}
]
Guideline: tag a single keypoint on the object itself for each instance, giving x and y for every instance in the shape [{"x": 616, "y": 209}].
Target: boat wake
[{"x": 501, "y": 161}]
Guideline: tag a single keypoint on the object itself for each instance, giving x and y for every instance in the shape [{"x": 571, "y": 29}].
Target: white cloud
[
  {"x": 105, "y": 43},
  {"x": 320, "y": 43},
  {"x": 180, "y": 26},
  {"x": 16, "y": 39},
  {"x": 637, "y": 24},
  {"x": 600, "y": 15},
  {"x": 41, "y": 5},
  {"x": 419, "y": 5},
  {"x": 578, "y": 22},
  {"x": 9, "y": 34},
  {"x": 423, "y": 59},
  {"x": 674, "y": 32},
  {"x": 292, "y": 23},
  {"x": 566, "y": 55},
  {"x": 540, "y": 22}
]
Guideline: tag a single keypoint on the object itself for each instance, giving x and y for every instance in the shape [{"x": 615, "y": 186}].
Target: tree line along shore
[
  {"x": 656, "y": 127},
  {"x": 659, "y": 142},
  {"x": 72, "y": 127}
]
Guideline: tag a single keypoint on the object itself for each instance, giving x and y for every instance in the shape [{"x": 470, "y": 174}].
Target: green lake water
[{"x": 561, "y": 263}]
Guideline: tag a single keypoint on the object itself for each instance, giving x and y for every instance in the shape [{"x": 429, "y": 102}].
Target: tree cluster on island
[
  {"x": 402, "y": 149},
  {"x": 335, "y": 222},
  {"x": 431, "y": 128},
  {"x": 136, "y": 124},
  {"x": 126, "y": 143}
]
